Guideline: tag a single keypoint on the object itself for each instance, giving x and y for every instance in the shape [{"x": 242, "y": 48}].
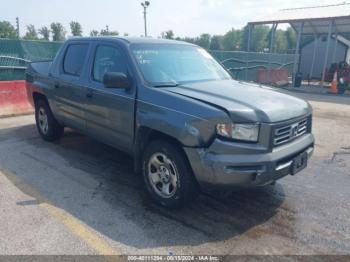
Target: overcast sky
[{"x": 184, "y": 17}]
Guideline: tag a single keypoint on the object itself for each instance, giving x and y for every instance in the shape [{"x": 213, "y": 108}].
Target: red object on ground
[
  {"x": 13, "y": 98},
  {"x": 272, "y": 76},
  {"x": 334, "y": 84}
]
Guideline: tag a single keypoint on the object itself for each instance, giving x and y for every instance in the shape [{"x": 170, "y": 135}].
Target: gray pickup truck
[{"x": 187, "y": 124}]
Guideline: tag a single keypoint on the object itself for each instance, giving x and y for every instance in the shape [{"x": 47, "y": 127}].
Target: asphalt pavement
[{"x": 79, "y": 196}]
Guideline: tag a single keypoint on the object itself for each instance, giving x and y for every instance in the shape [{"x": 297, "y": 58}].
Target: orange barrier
[
  {"x": 13, "y": 98},
  {"x": 272, "y": 76}
]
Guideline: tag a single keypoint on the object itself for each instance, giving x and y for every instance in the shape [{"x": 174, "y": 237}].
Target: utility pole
[
  {"x": 145, "y": 5},
  {"x": 17, "y": 26}
]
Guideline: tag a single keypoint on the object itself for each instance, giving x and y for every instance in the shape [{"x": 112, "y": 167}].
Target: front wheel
[
  {"x": 48, "y": 127},
  {"x": 167, "y": 175}
]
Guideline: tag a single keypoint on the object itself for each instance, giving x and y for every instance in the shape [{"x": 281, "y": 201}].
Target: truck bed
[
  {"x": 41, "y": 68},
  {"x": 36, "y": 71}
]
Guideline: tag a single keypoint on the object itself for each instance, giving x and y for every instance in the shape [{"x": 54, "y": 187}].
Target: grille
[{"x": 287, "y": 133}]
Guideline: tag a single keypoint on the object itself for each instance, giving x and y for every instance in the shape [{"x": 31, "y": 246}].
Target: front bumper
[{"x": 221, "y": 165}]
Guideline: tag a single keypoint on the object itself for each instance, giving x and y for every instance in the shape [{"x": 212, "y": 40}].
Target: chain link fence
[
  {"x": 14, "y": 54},
  {"x": 244, "y": 65}
]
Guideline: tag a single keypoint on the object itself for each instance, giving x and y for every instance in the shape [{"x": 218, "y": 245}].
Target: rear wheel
[
  {"x": 48, "y": 127},
  {"x": 168, "y": 177}
]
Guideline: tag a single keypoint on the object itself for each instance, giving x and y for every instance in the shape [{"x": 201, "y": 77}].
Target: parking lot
[{"x": 79, "y": 196}]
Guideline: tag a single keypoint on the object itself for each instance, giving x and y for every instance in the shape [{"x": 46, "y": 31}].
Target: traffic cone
[{"x": 334, "y": 84}]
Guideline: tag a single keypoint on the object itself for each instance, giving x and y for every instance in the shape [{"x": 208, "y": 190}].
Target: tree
[
  {"x": 45, "y": 33},
  {"x": 189, "y": 40},
  {"x": 291, "y": 38},
  {"x": 58, "y": 32},
  {"x": 75, "y": 28},
  {"x": 106, "y": 32},
  {"x": 216, "y": 42},
  {"x": 7, "y": 30},
  {"x": 168, "y": 34},
  {"x": 259, "y": 39},
  {"x": 204, "y": 41},
  {"x": 31, "y": 33},
  {"x": 281, "y": 45},
  {"x": 232, "y": 40},
  {"x": 244, "y": 43},
  {"x": 237, "y": 39},
  {"x": 93, "y": 33}
]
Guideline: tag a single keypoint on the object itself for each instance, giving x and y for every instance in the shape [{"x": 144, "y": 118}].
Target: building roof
[{"x": 316, "y": 19}]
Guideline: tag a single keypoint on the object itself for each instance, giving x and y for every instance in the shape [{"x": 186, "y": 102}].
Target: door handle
[{"x": 56, "y": 85}]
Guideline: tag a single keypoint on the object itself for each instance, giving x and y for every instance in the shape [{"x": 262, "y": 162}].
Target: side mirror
[{"x": 116, "y": 80}]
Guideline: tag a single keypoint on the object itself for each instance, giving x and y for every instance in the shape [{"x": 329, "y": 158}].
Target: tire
[
  {"x": 167, "y": 175},
  {"x": 48, "y": 127}
]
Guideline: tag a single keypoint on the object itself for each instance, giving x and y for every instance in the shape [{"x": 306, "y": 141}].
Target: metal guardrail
[
  {"x": 15, "y": 58},
  {"x": 257, "y": 66},
  {"x": 238, "y": 70},
  {"x": 256, "y": 62},
  {"x": 13, "y": 67}
]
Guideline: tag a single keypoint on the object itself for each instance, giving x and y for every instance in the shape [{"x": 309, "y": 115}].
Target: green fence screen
[
  {"x": 244, "y": 65},
  {"x": 14, "y": 54}
]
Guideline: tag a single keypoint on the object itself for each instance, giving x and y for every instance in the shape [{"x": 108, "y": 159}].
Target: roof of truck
[{"x": 132, "y": 40}]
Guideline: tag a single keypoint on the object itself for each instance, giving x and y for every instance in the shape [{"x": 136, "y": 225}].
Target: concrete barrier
[
  {"x": 13, "y": 98},
  {"x": 272, "y": 76}
]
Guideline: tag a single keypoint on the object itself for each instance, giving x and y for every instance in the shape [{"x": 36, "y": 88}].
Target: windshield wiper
[{"x": 166, "y": 84}]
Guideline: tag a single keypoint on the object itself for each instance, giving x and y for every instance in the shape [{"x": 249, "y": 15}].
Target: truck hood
[{"x": 245, "y": 102}]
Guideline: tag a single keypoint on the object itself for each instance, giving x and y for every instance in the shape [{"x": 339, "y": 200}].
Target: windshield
[{"x": 172, "y": 64}]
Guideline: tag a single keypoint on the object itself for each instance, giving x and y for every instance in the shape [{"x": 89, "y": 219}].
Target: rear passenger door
[
  {"x": 110, "y": 111},
  {"x": 69, "y": 91}
]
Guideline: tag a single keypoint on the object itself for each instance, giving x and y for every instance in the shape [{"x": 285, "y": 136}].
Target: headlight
[{"x": 244, "y": 132}]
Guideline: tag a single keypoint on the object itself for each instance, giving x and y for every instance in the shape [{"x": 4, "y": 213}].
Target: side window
[
  {"x": 74, "y": 59},
  {"x": 107, "y": 59}
]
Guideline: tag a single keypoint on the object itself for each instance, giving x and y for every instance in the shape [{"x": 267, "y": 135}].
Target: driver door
[{"x": 110, "y": 111}]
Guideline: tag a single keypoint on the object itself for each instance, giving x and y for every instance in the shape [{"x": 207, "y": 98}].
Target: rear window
[{"x": 74, "y": 59}]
